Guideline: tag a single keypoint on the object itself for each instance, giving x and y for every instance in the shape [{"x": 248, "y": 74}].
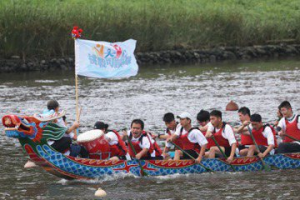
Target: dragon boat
[{"x": 34, "y": 132}]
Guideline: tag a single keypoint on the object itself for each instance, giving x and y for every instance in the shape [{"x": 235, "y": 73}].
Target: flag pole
[
  {"x": 76, "y": 33},
  {"x": 76, "y": 94},
  {"x": 76, "y": 85}
]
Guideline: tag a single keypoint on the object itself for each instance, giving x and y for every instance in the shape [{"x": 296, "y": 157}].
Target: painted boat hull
[
  {"x": 33, "y": 134},
  {"x": 80, "y": 168}
]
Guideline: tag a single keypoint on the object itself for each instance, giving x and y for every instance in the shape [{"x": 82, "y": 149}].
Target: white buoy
[
  {"x": 100, "y": 193},
  {"x": 29, "y": 164}
]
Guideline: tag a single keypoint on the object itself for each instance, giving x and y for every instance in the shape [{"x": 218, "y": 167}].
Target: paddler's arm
[
  {"x": 203, "y": 128},
  {"x": 233, "y": 148},
  {"x": 232, "y": 142},
  {"x": 163, "y": 137},
  {"x": 243, "y": 128},
  {"x": 262, "y": 155},
  {"x": 75, "y": 134},
  {"x": 208, "y": 134},
  {"x": 73, "y": 127},
  {"x": 202, "y": 142},
  {"x": 270, "y": 138},
  {"x": 172, "y": 138},
  {"x": 141, "y": 153},
  {"x": 202, "y": 151},
  {"x": 280, "y": 129}
]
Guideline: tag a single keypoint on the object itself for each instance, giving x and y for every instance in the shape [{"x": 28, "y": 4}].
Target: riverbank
[
  {"x": 42, "y": 28},
  {"x": 219, "y": 54}
]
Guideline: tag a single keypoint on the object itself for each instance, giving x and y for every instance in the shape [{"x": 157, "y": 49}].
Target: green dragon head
[{"x": 32, "y": 128}]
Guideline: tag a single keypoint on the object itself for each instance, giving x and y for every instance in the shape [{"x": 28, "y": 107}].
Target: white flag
[{"x": 104, "y": 59}]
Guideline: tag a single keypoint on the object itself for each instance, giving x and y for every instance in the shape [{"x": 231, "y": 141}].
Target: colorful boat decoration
[{"x": 34, "y": 132}]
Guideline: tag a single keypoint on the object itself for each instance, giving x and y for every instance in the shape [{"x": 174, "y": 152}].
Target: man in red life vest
[
  {"x": 118, "y": 147},
  {"x": 144, "y": 145},
  {"x": 288, "y": 125},
  {"x": 223, "y": 134},
  {"x": 192, "y": 140},
  {"x": 246, "y": 140},
  {"x": 264, "y": 136},
  {"x": 172, "y": 126}
]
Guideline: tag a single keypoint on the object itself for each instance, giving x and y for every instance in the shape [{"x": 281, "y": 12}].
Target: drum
[{"x": 95, "y": 144}]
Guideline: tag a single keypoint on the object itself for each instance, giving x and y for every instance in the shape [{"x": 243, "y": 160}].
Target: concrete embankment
[{"x": 218, "y": 54}]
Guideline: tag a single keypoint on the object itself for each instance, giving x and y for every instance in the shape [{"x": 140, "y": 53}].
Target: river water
[{"x": 260, "y": 85}]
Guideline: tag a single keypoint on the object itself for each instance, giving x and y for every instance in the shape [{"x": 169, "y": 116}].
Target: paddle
[
  {"x": 142, "y": 170},
  {"x": 222, "y": 152},
  {"x": 266, "y": 166},
  {"x": 183, "y": 151},
  {"x": 291, "y": 137}
]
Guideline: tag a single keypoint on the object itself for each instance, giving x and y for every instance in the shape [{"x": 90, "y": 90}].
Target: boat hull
[{"x": 80, "y": 168}]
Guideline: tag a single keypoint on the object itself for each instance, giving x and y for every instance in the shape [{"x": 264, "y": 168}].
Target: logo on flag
[{"x": 104, "y": 59}]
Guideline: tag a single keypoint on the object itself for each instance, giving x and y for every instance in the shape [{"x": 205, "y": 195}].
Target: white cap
[{"x": 185, "y": 115}]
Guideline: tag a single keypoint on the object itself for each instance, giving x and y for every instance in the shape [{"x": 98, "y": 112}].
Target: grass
[{"x": 41, "y": 28}]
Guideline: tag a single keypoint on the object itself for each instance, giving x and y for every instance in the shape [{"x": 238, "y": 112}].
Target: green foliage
[{"x": 42, "y": 27}]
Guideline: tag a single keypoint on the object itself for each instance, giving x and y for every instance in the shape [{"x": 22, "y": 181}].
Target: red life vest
[
  {"x": 136, "y": 146},
  {"x": 186, "y": 143},
  {"x": 219, "y": 138},
  {"x": 119, "y": 149},
  {"x": 259, "y": 137},
  {"x": 246, "y": 140},
  {"x": 177, "y": 141},
  {"x": 292, "y": 130},
  {"x": 210, "y": 141}
]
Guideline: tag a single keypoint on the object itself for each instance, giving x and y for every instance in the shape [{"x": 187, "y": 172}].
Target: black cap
[{"x": 100, "y": 125}]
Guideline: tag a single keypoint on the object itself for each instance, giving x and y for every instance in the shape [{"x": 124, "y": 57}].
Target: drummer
[
  {"x": 118, "y": 147},
  {"x": 62, "y": 145}
]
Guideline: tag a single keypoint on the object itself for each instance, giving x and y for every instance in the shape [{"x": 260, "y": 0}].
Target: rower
[
  {"x": 264, "y": 136},
  {"x": 144, "y": 145},
  {"x": 224, "y": 136},
  {"x": 288, "y": 128},
  {"x": 192, "y": 140},
  {"x": 118, "y": 149},
  {"x": 172, "y": 126},
  {"x": 279, "y": 116},
  {"x": 203, "y": 120},
  {"x": 246, "y": 140}
]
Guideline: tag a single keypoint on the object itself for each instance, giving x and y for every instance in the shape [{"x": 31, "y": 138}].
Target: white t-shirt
[
  {"x": 195, "y": 136},
  {"x": 145, "y": 142},
  {"x": 282, "y": 123},
  {"x": 267, "y": 133},
  {"x": 112, "y": 138},
  {"x": 227, "y": 133}
]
